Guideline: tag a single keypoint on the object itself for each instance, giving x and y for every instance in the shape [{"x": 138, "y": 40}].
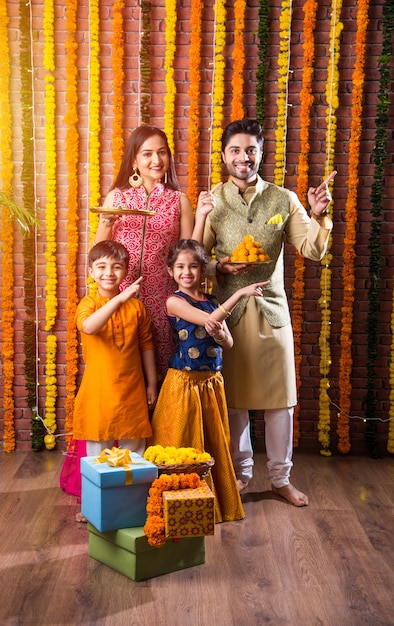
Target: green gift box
[{"x": 128, "y": 552}]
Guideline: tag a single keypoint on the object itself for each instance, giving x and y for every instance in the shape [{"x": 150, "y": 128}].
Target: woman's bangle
[
  {"x": 223, "y": 310},
  {"x": 221, "y": 341}
]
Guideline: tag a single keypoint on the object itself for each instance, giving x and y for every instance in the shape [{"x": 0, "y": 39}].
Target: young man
[{"x": 259, "y": 371}]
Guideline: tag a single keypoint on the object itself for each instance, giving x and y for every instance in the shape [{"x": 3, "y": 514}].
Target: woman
[{"x": 147, "y": 181}]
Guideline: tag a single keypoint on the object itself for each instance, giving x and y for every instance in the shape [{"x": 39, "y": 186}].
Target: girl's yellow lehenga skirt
[{"x": 191, "y": 411}]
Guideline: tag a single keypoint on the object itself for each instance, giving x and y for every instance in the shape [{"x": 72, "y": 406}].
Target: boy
[{"x": 119, "y": 382}]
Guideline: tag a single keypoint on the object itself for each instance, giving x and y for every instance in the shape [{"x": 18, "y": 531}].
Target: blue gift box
[{"x": 116, "y": 497}]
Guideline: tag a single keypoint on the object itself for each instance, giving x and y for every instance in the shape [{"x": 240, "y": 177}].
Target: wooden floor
[{"x": 329, "y": 564}]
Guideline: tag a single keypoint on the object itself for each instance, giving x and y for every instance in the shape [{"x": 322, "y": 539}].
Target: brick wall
[{"x": 309, "y": 391}]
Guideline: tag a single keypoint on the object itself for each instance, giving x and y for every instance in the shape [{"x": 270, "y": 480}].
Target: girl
[{"x": 191, "y": 410}]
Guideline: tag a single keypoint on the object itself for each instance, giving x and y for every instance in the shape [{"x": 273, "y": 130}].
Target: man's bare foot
[
  {"x": 81, "y": 519},
  {"x": 291, "y": 494},
  {"x": 241, "y": 485}
]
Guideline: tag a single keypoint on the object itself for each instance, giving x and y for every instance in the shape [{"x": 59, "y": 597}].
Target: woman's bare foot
[
  {"x": 81, "y": 519},
  {"x": 291, "y": 494}
]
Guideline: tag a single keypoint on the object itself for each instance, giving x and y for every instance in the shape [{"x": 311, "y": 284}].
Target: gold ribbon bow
[{"x": 116, "y": 457}]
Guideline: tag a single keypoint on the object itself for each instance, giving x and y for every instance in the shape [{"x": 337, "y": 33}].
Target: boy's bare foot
[
  {"x": 81, "y": 519},
  {"x": 291, "y": 494}
]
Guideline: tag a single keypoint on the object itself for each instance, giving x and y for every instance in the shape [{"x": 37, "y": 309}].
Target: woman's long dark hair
[{"x": 134, "y": 143}]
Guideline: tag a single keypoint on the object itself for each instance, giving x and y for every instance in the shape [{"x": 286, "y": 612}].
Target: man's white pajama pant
[{"x": 278, "y": 444}]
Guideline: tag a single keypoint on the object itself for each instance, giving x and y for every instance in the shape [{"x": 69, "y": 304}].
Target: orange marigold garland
[
  {"x": 118, "y": 73},
  {"x": 218, "y": 90},
  {"x": 237, "y": 82},
  {"x": 154, "y": 528},
  {"x": 345, "y": 361},
  {"x": 306, "y": 97},
  {"x": 194, "y": 94},
  {"x": 72, "y": 147},
  {"x": 7, "y": 236}
]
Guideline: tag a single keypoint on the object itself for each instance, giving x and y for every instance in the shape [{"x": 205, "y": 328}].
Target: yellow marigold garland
[
  {"x": 7, "y": 236},
  {"x": 154, "y": 528},
  {"x": 324, "y": 423},
  {"x": 345, "y": 361},
  {"x": 237, "y": 82},
  {"x": 50, "y": 385},
  {"x": 306, "y": 98},
  {"x": 94, "y": 117},
  {"x": 51, "y": 302},
  {"x": 281, "y": 102},
  {"x": 194, "y": 94},
  {"x": 169, "y": 98},
  {"x": 118, "y": 73},
  {"x": 72, "y": 147},
  {"x": 218, "y": 90},
  {"x": 390, "y": 440}
]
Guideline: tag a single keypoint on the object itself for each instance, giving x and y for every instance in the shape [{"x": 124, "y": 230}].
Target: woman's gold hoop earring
[{"x": 135, "y": 179}]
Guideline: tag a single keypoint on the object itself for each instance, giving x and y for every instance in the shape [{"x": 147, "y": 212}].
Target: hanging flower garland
[
  {"x": 237, "y": 82},
  {"x": 345, "y": 361},
  {"x": 282, "y": 99},
  {"x": 118, "y": 73},
  {"x": 306, "y": 98},
  {"x": 377, "y": 198},
  {"x": 145, "y": 71},
  {"x": 94, "y": 121},
  {"x": 7, "y": 236},
  {"x": 50, "y": 216},
  {"x": 324, "y": 423},
  {"x": 218, "y": 91},
  {"x": 72, "y": 149},
  {"x": 154, "y": 528},
  {"x": 169, "y": 98},
  {"x": 261, "y": 73},
  {"x": 27, "y": 180},
  {"x": 194, "y": 95}
]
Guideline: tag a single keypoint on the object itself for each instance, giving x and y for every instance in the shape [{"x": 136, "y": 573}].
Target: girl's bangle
[
  {"x": 221, "y": 341},
  {"x": 223, "y": 310}
]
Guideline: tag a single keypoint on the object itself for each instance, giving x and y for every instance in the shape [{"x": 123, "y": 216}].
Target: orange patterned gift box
[{"x": 189, "y": 512}]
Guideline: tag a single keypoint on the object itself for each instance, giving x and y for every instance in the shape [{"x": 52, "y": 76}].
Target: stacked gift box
[{"x": 114, "y": 502}]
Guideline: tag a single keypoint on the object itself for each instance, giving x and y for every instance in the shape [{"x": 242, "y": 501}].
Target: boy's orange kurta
[{"x": 111, "y": 402}]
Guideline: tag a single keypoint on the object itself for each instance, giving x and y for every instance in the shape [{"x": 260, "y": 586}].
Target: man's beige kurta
[{"x": 259, "y": 371}]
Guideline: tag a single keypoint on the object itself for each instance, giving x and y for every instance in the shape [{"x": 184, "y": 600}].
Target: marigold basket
[{"x": 202, "y": 468}]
